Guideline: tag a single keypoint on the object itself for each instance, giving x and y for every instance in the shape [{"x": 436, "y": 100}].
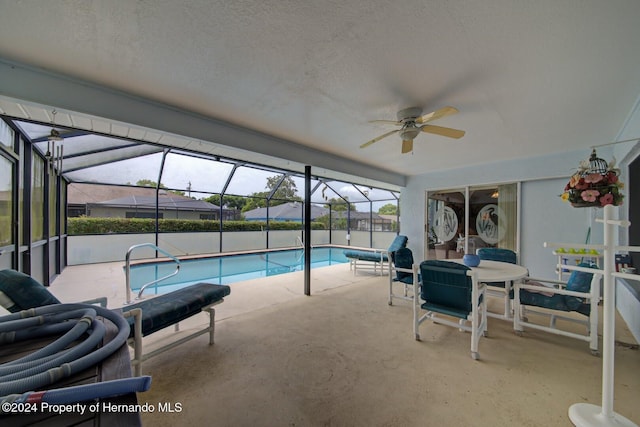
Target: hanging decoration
[
  {"x": 595, "y": 184},
  {"x": 55, "y": 148}
]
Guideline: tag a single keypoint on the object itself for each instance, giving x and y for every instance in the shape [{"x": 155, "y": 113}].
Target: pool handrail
[{"x": 127, "y": 270}]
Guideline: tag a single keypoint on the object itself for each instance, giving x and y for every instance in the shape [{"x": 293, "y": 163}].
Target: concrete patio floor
[{"x": 344, "y": 357}]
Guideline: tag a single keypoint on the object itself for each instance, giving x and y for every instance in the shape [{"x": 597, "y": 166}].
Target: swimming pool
[{"x": 228, "y": 269}]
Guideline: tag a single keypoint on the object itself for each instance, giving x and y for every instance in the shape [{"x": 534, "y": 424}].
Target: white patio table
[{"x": 496, "y": 271}]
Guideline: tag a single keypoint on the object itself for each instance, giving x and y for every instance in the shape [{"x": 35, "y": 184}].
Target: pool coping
[{"x": 231, "y": 253}]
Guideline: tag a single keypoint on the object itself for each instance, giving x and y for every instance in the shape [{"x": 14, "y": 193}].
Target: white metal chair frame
[
  {"x": 477, "y": 317},
  {"x": 593, "y": 297},
  {"x": 378, "y": 266},
  {"x": 406, "y": 287}
]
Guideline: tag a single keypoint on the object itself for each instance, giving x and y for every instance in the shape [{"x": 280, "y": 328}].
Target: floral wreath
[{"x": 595, "y": 183}]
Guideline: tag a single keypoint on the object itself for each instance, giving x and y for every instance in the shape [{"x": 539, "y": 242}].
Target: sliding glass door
[{"x": 462, "y": 220}]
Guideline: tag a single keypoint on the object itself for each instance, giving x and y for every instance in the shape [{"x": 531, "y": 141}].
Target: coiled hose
[{"x": 58, "y": 360}]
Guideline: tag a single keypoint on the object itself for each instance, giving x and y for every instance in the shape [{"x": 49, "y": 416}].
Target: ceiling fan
[{"x": 412, "y": 122}]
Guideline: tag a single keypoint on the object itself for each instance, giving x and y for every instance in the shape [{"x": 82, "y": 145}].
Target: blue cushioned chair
[
  {"x": 450, "y": 289},
  {"x": 499, "y": 289},
  {"x": 374, "y": 258},
  {"x": 401, "y": 271},
  {"x": 580, "y": 294},
  {"x": 19, "y": 291}
]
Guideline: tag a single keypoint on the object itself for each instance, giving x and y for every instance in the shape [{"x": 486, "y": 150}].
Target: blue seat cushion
[
  {"x": 555, "y": 302},
  {"x": 399, "y": 242},
  {"x": 168, "y": 309},
  {"x": 403, "y": 258},
  {"x": 366, "y": 255},
  {"x": 446, "y": 286},
  {"x": 373, "y": 256},
  {"x": 24, "y": 291},
  {"x": 498, "y": 254},
  {"x": 579, "y": 281}
]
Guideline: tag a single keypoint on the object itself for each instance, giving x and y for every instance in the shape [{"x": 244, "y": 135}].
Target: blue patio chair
[
  {"x": 450, "y": 289},
  {"x": 499, "y": 289},
  {"x": 374, "y": 258},
  {"x": 580, "y": 294},
  {"x": 19, "y": 291},
  {"x": 401, "y": 271}
]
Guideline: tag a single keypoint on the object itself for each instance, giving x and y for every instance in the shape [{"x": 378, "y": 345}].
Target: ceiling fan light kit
[{"x": 410, "y": 120}]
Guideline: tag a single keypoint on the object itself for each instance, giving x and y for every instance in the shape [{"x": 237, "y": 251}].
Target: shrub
[{"x": 87, "y": 225}]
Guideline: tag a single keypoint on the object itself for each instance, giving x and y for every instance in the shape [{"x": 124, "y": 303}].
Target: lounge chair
[
  {"x": 19, "y": 291},
  {"x": 373, "y": 259},
  {"x": 580, "y": 294}
]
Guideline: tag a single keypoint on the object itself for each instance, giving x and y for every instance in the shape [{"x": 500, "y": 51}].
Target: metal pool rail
[{"x": 127, "y": 270}]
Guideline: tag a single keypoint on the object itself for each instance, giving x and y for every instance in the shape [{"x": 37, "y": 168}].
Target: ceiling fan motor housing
[{"x": 409, "y": 113}]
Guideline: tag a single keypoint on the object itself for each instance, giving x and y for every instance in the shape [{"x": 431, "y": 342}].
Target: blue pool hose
[{"x": 56, "y": 361}]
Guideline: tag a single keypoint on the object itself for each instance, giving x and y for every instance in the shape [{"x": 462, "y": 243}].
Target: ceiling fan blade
[
  {"x": 388, "y": 122},
  {"x": 439, "y": 130},
  {"x": 384, "y": 135},
  {"x": 407, "y": 146},
  {"x": 446, "y": 111}
]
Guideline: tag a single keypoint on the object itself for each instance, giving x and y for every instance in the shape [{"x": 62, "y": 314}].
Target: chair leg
[
  {"x": 416, "y": 322},
  {"x": 517, "y": 314},
  {"x": 507, "y": 305},
  {"x": 212, "y": 324},
  {"x": 475, "y": 336}
]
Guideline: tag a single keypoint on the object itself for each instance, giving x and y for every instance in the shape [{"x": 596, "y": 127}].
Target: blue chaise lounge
[
  {"x": 19, "y": 291},
  {"x": 374, "y": 258}
]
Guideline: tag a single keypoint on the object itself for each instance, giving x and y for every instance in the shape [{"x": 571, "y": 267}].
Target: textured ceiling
[{"x": 529, "y": 78}]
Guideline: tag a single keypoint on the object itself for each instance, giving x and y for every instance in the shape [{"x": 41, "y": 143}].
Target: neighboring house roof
[
  {"x": 165, "y": 201},
  {"x": 291, "y": 211},
  {"x": 132, "y": 197},
  {"x": 81, "y": 194},
  {"x": 389, "y": 217}
]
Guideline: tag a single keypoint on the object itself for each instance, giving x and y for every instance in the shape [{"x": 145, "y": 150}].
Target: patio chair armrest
[
  {"x": 555, "y": 283},
  {"x": 519, "y": 286}
]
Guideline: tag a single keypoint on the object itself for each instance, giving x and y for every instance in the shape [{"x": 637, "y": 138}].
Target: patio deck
[{"x": 344, "y": 357}]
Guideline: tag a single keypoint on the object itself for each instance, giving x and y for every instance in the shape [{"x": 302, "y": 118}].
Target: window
[
  {"x": 6, "y": 201},
  {"x": 6, "y": 135},
  {"x": 209, "y": 217},
  {"x": 151, "y": 215},
  {"x": 37, "y": 199}
]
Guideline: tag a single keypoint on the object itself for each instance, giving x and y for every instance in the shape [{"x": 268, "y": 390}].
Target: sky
[{"x": 204, "y": 175}]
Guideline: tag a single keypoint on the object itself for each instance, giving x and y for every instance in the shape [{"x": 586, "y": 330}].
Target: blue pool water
[{"x": 230, "y": 268}]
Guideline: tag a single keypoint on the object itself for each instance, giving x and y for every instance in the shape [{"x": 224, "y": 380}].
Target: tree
[
  {"x": 233, "y": 202},
  {"x": 285, "y": 192},
  {"x": 338, "y": 205},
  {"x": 150, "y": 183},
  {"x": 388, "y": 209}
]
